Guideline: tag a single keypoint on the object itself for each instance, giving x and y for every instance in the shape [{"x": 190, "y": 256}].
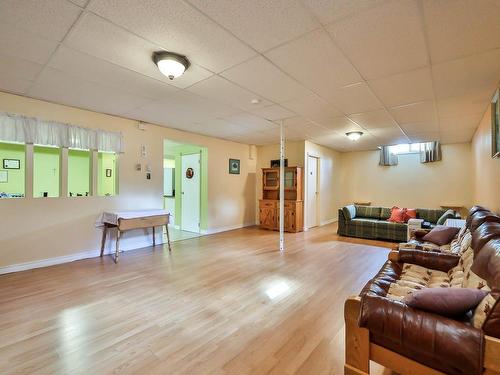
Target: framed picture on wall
[
  {"x": 276, "y": 163},
  {"x": 234, "y": 166},
  {"x": 495, "y": 127}
]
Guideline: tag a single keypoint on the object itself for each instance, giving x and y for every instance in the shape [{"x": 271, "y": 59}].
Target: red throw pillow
[
  {"x": 451, "y": 302},
  {"x": 411, "y": 213},
  {"x": 397, "y": 215}
]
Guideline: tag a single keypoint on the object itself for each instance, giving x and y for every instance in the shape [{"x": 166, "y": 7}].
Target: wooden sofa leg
[{"x": 357, "y": 340}]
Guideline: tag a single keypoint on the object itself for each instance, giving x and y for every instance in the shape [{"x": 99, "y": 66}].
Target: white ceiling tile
[
  {"x": 415, "y": 112},
  {"x": 261, "y": 23},
  {"x": 250, "y": 122},
  {"x": 220, "y": 89},
  {"x": 23, "y": 44},
  {"x": 389, "y": 135},
  {"x": 416, "y": 128},
  {"x": 425, "y": 137},
  {"x": 51, "y": 19},
  {"x": 14, "y": 85},
  {"x": 457, "y": 136},
  {"x": 354, "y": 98},
  {"x": 404, "y": 88},
  {"x": 383, "y": 40},
  {"x": 329, "y": 11},
  {"x": 178, "y": 27},
  {"x": 80, "y": 3},
  {"x": 460, "y": 122},
  {"x": 313, "y": 107},
  {"x": 470, "y": 103},
  {"x": 373, "y": 119},
  {"x": 316, "y": 62},
  {"x": 469, "y": 74},
  {"x": 262, "y": 77},
  {"x": 342, "y": 125},
  {"x": 461, "y": 27},
  {"x": 56, "y": 86},
  {"x": 273, "y": 112},
  {"x": 92, "y": 69},
  {"x": 101, "y": 39},
  {"x": 18, "y": 68}
]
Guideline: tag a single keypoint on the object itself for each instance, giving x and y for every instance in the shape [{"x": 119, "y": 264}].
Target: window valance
[{"x": 17, "y": 128}]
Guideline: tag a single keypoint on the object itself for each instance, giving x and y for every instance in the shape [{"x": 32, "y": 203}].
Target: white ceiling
[{"x": 398, "y": 70}]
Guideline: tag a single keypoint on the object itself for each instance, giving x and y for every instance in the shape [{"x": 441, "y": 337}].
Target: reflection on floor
[{"x": 179, "y": 235}]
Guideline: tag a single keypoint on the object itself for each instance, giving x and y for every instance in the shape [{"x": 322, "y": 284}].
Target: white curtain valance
[{"x": 21, "y": 129}]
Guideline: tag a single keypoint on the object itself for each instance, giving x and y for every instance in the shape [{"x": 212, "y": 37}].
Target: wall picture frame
[
  {"x": 11, "y": 164},
  {"x": 234, "y": 166},
  {"x": 495, "y": 125},
  {"x": 276, "y": 163}
]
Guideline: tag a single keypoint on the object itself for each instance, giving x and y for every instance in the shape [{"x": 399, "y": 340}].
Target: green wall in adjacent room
[
  {"x": 46, "y": 167},
  {"x": 106, "y": 185},
  {"x": 79, "y": 172},
  {"x": 177, "y": 152},
  {"x": 16, "y": 179}
]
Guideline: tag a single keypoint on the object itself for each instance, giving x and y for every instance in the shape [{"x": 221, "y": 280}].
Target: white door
[
  {"x": 190, "y": 193},
  {"x": 312, "y": 192}
]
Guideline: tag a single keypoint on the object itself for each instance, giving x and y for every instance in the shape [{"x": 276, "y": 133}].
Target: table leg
[
  {"x": 168, "y": 238},
  {"x": 103, "y": 242},
  {"x": 154, "y": 236},
  {"x": 117, "y": 244}
]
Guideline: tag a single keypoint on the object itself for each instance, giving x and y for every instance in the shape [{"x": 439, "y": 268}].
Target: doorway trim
[
  {"x": 307, "y": 225},
  {"x": 182, "y": 154}
]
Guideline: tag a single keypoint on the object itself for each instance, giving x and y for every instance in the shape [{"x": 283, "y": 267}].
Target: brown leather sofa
[{"x": 382, "y": 328}]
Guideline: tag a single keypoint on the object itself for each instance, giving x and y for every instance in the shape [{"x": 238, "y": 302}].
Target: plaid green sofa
[{"x": 371, "y": 222}]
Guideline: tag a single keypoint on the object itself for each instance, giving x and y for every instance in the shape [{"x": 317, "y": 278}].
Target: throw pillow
[
  {"x": 397, "y": 215},
  {"x": 441, "y": 235},
  {"x": 451, "y": 302},
  {"x": 449, "y": 214},
  {"x": 411, "y": 213}
]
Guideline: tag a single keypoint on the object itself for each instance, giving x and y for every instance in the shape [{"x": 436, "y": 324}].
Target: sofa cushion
[
  {"x": 385, "y": 213},
  {"x": 449, "y": 214},
  {"x": 430, "y": 215},
  {"x": 415, "y": 244},
  {"x": 368, "y": 212},
  {"x": 388, "y": 230},
  {"x": 447, "y": 302},
  {"x": 482, "y": 217},
  {"x": 441, "y": 235},
  {"x": 410, "y": 213},
  {"x": 349, "y": 212},
  {"x": 484, "y": 233}
]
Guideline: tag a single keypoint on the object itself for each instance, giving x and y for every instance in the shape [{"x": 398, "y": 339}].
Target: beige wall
[
  {"x": 330, "y": 190},
  {"x": 37, "y": 229},
  {"x": 410, "y": 183},
  {"x": 486, "y": 169}
]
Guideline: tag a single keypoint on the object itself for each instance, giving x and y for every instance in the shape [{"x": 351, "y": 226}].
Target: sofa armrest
[
  {"x": 439, "y": 342},
  {"x": 429, "y": 259}
]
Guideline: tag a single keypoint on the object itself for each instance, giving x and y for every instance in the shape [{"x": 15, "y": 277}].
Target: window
[
  {"x": 106, "y": 174},
  {"x": 79, "y": 173},
  {"x": 46, "y": 166},
  {"x": 12, "y": 170},
  {"x": 405, "y": 148}
]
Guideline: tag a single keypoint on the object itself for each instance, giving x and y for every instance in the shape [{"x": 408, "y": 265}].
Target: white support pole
[{"x": 282, "y": 187}]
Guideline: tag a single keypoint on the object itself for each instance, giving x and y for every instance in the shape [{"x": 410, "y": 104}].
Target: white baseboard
[
  {"x": 329, "y": 221},
  {"x": 126, "y": 244}
]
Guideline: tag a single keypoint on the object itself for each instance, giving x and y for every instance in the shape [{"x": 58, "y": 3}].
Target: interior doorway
[
  {"x": 185, "y": 189},
  {"x": 312, "y": 192}
]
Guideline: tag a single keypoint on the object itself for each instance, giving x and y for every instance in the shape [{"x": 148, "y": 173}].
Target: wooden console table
[{"x": 128, "y": 220}]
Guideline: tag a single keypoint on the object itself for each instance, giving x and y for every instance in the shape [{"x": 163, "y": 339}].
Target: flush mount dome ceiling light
[
  {"x": 171, "y": 64},
  {"x": 354, "y": 136}
]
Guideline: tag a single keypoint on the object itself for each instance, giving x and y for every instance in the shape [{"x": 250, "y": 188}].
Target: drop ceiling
[{"x": 398, "y": 70}]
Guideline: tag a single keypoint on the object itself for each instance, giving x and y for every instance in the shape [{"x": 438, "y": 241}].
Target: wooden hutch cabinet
[{"x": 269, "y": 206}]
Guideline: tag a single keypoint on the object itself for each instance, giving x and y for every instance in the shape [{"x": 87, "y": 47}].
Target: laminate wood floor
[{"x": 228, "y": 303}]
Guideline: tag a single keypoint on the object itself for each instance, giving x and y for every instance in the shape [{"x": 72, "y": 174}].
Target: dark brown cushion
[
  {"x": 441, "y": 235},
  {"x": 451, "y": 302}
]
